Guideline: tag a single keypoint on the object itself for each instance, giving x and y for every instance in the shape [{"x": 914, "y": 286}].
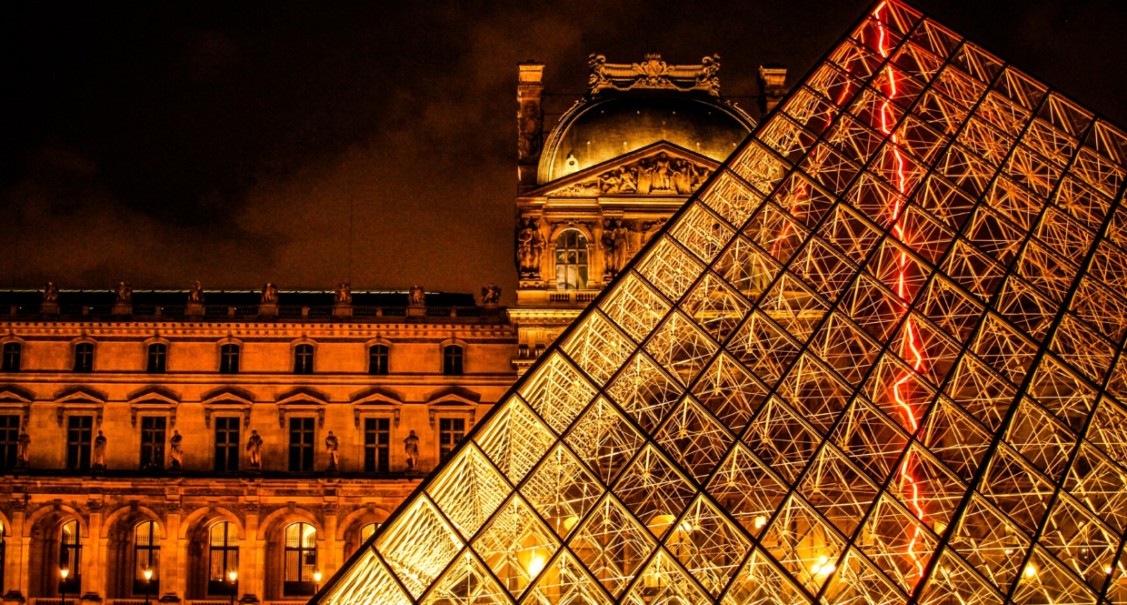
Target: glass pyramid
[{"x": 877, "y": 359}]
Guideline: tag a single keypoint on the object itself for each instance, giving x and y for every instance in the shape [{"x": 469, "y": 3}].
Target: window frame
[
  {"x": 299, "y": 587},
  {"x": 70, "y": 557},
  {"x": 12, "y": 357},
  {"x": 581, "y": 263},
  {"x": 226, "y": 357},
  {"x": 302, "y": 454},
  {"x": 229, "y": 551},
  {"x": 156, "y": 358},
  {"x": 9, "y": 445},
  {"x": 79, "y": 452},
  {"x": 304, "y": 356},
  {"x": 153, "y": 547},
  {"x": 453, "y": 359},
  {"x": 83, "y": 357},
  {"x": 155, "y": 448},
  {"x": 379, "y": 359},
  {"x": 377, "y": 456},
  {"x": 448, "y": 434},
  {"x": 229, "y": 447}
]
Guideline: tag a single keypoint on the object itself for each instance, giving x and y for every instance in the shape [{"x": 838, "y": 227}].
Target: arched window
[
  {"x": 70, "y": 556},
  {"x": 300, "y": 560},
  {"x": 303, "y": 359},
  {"x": 367, "y": 531},
  {"x": 84, "y": 357},
  {"x": 223, "y": 558},
  {"x": 158, "y": 357},
  {"x": 571, "y": 260},
  {"x": 146, "y": 556},
  {"x": 11, "y": 361},
  {"x": 452, "y": 360},
  {"x": 377, "y": 360}
]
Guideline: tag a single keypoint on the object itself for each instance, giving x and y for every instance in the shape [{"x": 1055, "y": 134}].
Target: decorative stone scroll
[{"x": 653, "y": 73}]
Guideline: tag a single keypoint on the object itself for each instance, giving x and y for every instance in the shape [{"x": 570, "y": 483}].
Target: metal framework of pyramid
[{"x": 877, "y": 359}]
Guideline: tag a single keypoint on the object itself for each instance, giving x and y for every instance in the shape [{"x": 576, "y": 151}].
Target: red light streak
[{"x": 909, "y": 343}]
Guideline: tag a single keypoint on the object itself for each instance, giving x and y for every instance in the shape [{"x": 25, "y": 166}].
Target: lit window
[
  {"x": 223, "y": 558},
  {"x": 377, "y": 360},
  {"x": 300, "y": 560},
  {"x": 229, "y": 359},
  {"x": 11, "y": 361},
  {"x": 368, "y": 531},
  {"x": 450, "y": 432},
  {"x": 571, "y": 260},
  {"x": 452, "y": 360},
  {"x": 146, "y": 556},
  {"x": 303, "y": 359},
  {"x": 84, "y": 357},
  {"x": 158, "y": 354},
  {"x": 70, "y": 557}
]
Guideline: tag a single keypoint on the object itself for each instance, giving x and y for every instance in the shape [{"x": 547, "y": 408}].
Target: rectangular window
[
  {"x": 301, "y": 444},
  {"x": 303, "y": 359},
  {"x": 452, "y": 360},
  {"x": 229, "y": 359},
  {"x": 84, "y": 357},
  {"x": 152, "y": 441},
  {"x": 450, "y": 432},
  {"x": 11, "y": 361},
  {"x": 226, "y": 444},
  {"x": 80, "y": 434},
  {"x": 158, "y": 355},
  {"x": 377, "y": 360},
  {"x": 9, "y": 441},
  {"x": 377, "y": 438}
]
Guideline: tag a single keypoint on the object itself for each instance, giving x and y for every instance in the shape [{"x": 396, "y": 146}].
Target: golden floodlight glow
[{"x": 876, "y": 358}]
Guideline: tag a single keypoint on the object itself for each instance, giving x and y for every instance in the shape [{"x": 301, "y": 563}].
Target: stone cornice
[{"x": 251, "y": 331}]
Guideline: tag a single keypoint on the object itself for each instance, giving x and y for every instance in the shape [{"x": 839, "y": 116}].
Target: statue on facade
[
  {"x": 195, "y": 295},
  {"x": 331, "y": 446},
  {"x": 124, "y": 293},
  {"x": 50, "y": 293},
  {"x": 176, "y": 450},
  {"x": 416, "y": 297},
  {"x": 343, "y": 294},
  {"x": 99, "y": 462},
  {"x": 530, "y": 123},
  {"x": 411, "y": 447},
  {"x": 254, "y": 449},
  {"x": 490, "y": 295},
  {"x": 621, "y": 243},
  {"x": 23, "y": 449},
  {"x": 530, "y": 247},
  {"x": 269, "y": 294}
]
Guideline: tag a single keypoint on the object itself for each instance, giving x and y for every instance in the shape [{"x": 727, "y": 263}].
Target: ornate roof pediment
[
  {"x": 662, "y": 169},
  {"x": 653, "y": 73}
]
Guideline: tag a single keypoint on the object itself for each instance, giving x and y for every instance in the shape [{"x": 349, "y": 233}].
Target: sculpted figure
[
  {"x": 411, "y": 447},
  {"x": 343, "y": 295},
  {"x": 254, "y": 449},
  {"x": 620, "y": 245},
  {"x": 608, "y": 249},
  {"x": 269, "y": 294},
  {"x": 23, "y": 451},
  {"x": 124, "y": 292},
  {"x": 416, "y": 296},
  {"x": 50, "y": 293},
  {"x": 706, "y": 77},
  {"x": 529, "y": 125},
  {"x": 490, "y": 295},
  {"x": 331, "y": 445},
  {"x": 629, "y": 184},
  {"x": 662, "y": 178},
  {"x": 100, "y": 451},
  {"x": 195, "y": 295},
  {"x": 524, "y": 248},
  {"x": 176, "y": 450}
]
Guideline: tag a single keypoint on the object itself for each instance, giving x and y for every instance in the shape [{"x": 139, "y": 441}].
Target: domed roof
[{"x": 604, "y": 128}]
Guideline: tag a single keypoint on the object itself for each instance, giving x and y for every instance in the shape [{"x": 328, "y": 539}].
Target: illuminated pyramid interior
[{"x": 877, "y": 359}]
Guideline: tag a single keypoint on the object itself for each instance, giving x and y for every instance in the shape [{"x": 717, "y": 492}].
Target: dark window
[
  {"x": 223, "y": 558},
  {"x": 226, "y": 444},
  {"x": 452, "y": 360},
  {"x": 300, "y": 560},
  {"x": 146, "y": 556},
  {"x": 80, "y": 432},
  {"x": 377, "y": 359},
  {"x": 84, "y": 357},
  {"x": 377, "y": 437},
  {"x": 11, "y": 361},
  {"x": 450, "y": 432},
  {"x": 152, "y": 441},
  {"x": 303, "y": 359},
  {"x": 158, "y": 354},
  {"x": 9, "y": 442},
  {"x": 229, "y": 359},
  {"x": 70, "y": 557},
  {"x": 301, "y": 444},
  {"x": 571, "y": 260}
]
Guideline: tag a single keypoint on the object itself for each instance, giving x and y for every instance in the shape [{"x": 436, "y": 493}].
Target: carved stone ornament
[
  {"x": 655, "y": 175},
  {"x": 653, "y": 73}
]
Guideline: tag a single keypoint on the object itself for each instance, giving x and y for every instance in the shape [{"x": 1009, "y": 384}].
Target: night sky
[{"x": 168, "y": 142}]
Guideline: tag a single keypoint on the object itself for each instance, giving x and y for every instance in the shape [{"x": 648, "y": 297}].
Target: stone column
[
  {"x": 94, "y": 567},
  {"x": 16, "y": 555},
  {"x": 530, "y": 121},
  {"x": 252, "y": 559},
  {"x": 772, "y": 86},
  {"x": 332, "y": 547},
  {"x": 173, "y": 568}
]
